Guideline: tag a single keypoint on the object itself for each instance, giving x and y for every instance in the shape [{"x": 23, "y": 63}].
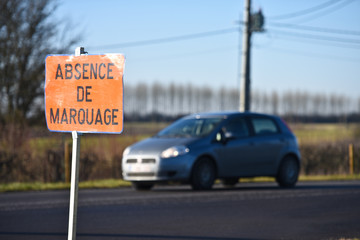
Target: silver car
[{"x": 200, "y": 148}]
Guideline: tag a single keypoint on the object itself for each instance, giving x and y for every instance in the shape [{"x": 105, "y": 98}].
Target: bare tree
[
  {"x": 172, "y": 99},
  {"x": 304, "y": 102},
  {"x": 189, "y": 94},
  {"x": 333, "y": 105},
  {"x": 180, "y": 93},
  {"x": 197, "y": 98},
  {"x": 27, "y": 35},
  {"x": 141, "y": 93},
  {"x": 255, "y": 100},
  {"x": 206, "y": 98},
  {"x": 274, "y": 102},
  {"x": 157, "y": 93},
  {"x": 129, "y": 100},
  {"x": 234, "y": 99},
  {"x": 222, "y": 102},
  {"x": 265, "y": 102},
  {"x": 288, "y": 103},
  {"x": 316, "y": 103}
]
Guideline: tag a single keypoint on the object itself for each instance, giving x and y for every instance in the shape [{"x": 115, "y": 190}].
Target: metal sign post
[{"x": 74, "y": 188}]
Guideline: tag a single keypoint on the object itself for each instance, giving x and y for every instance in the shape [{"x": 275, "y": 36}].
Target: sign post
[
  {"x": 74, "y": 188},
  {"x": 83, "y": 94}
]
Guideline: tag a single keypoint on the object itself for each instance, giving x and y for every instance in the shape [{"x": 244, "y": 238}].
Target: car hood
[{"x": 157, "y": 145}]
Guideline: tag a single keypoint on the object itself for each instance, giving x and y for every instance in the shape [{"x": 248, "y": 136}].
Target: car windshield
[{"x": 190, "y": 128}]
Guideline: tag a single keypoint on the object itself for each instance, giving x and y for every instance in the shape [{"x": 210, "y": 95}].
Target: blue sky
[{"x": 284, "y": 57}]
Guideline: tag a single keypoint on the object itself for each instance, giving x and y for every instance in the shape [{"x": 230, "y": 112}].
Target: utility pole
[
  {"x": 245, "y": 61},
  {"x": 252, "y": 23}
]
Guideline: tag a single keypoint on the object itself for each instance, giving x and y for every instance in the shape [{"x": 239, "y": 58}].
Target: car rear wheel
[
  {"x": 142, "y": 186},
  {"x": 203, "y": 174},
  {"x": 288, "y": 172}
]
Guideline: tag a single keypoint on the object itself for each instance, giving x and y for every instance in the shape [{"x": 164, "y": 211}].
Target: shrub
[{"x": 327, "y": 158}]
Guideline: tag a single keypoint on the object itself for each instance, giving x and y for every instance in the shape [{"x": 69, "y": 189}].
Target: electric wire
[
  {"x": 314, "y": 40},
  {"x": 312, "y": 54},
  {"x": 167, "y": 39},
  {"x": 315, "y": 29},
  {"x": 305, "y": 11},
  {"x": 326, "y": 11},
  {"x": 319, "y": 37}
]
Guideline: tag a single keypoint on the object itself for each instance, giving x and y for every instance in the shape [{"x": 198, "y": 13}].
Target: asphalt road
[{"x": 312, "y": 210}]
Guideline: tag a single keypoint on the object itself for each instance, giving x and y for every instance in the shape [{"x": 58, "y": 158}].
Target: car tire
[
  {"x": 203, "y": 174},
  {"x": 288, "y": 172},
  {"x": 142, "y": 186},
  {"x": 229, "y": 182}
]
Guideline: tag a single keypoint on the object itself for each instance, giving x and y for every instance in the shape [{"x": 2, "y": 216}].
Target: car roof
[{"x": 225, "y": 114}]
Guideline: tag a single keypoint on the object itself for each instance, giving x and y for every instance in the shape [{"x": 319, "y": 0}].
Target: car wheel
[
  {"x": 142, "y": 186},
  {"x": 288, "y": 172},
  {"x": 203, "y": 174},
  {"x": 229, "y": 182}
]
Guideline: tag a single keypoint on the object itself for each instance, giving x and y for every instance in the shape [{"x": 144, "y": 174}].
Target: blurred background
[{"x": 183, "y": 57}]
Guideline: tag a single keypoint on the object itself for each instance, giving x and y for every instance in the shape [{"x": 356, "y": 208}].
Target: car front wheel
[
  {"x": 203, "y": 174},
  {"x": 288, "y": 172}
]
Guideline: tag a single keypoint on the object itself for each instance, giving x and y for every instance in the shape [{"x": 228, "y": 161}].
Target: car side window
[
  {"x": 237, "y": 128},
  {"x": 264, "y": 126}
]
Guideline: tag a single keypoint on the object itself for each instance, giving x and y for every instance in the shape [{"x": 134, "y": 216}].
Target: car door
[
  {"x": 268, "y": 143},
  {"x": 235, "y": 151}
]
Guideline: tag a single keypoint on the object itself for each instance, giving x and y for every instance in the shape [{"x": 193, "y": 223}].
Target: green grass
[
  {"x": 330, "y": 178},
  {"x": 304, "y": 178},
  {"x": 315, "y": 132},
  {"x": 117, "y": 183},
  {"x": 38, "y": 186}
]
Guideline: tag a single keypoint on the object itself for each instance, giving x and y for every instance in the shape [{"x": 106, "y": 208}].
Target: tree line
[{"x": 179, "y": 99}]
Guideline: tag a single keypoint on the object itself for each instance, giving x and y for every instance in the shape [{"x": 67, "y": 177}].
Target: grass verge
[
  {"x": 115, "y": 183},
  {"x": 38, "y": 186}
]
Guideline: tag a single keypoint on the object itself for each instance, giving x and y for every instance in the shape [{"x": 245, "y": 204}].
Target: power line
[
  {"x": 305, "y": 11},
  {"x": 168, "y": 39},
  {"x": 327, "y": 11},
  {"x": 186, "y": 55},
  {"x": 312, "y": 54},
  {"x": 315, "y": 29},
  {"x": 319, "y": 37},
  {"x": 315, "y": 39}
]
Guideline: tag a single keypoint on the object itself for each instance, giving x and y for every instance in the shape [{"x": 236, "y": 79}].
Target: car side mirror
[{"x": 219, "y": 137}]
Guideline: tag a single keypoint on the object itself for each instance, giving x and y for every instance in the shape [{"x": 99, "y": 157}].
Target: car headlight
[
  {"x": 174, "y": 151},
  {"x": 126, "y": 151}
]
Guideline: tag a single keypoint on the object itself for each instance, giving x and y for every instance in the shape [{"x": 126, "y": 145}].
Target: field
[
  {"x": 316, "y": 133},
  {"x": 324, "y": 149}
]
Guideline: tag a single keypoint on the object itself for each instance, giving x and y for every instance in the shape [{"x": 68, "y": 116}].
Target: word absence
[{"x": 84, "y": 93}]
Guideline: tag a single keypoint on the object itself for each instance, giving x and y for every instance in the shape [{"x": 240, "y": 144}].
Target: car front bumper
[{"x": 155, "y": 168}]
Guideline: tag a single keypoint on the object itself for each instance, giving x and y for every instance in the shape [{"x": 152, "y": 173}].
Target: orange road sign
[{"x": 84, "y": 93}]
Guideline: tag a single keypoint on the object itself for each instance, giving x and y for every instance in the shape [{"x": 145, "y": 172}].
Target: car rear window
[{"x": 264, "y": 126}]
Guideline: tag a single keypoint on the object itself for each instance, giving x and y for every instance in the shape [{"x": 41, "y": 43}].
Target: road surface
[{"x": 312, "y": 210}]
